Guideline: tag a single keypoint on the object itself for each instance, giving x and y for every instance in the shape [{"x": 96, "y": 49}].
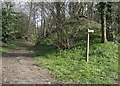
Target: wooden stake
[
  {"x": 88, "y": 39},
  {"x": 88, "y": 46}
]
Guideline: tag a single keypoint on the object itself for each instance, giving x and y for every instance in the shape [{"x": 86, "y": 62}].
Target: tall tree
[
  {"x": 102, "y": 10},
  {"x": 29, "y": 18},
  {"x": 109, "y": 21},
  {"x": 61, "y": 33},
  {"x": 118, "y": 18}
]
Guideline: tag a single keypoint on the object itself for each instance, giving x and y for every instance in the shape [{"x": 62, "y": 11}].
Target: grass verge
[{"x": 70, "y": 65}]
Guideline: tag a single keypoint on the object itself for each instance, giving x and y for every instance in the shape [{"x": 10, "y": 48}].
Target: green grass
[
  {"x": 11, "y": 45},
  {"x": 70, "y": 64}
]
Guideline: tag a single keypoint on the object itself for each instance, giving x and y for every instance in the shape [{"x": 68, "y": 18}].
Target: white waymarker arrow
[{"x": 88, "y": 38}]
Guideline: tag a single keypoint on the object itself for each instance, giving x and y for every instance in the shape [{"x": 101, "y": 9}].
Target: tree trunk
[
  {"x": 45, "y": 29},
  {"x": 119, "y": 18},
  {"x": 62, "y": 40},
  {"x": 109, "y": 22},
  {"x": 29, "y": 24},
  {"x": 103, "y": 22}
]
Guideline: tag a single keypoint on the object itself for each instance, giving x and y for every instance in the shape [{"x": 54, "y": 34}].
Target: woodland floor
[{"x": 20, "y": 68}]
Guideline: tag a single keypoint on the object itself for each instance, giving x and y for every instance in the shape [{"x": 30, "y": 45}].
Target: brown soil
[{"x": 20, "y": 68}]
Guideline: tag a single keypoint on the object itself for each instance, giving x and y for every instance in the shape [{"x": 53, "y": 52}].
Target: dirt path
[{"x": 20, "y": 68}]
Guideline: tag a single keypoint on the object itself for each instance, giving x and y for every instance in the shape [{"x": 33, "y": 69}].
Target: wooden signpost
[{"x": 88, "y": 38}]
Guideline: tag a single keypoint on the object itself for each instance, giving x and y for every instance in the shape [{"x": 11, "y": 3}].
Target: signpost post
[{"x": 88, "y": 38}]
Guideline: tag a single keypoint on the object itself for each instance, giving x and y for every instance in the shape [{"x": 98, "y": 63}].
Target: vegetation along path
[{"x": 20, "y": 68}]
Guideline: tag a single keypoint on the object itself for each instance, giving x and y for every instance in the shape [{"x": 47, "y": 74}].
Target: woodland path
[{"x": 20, "y": 68}]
